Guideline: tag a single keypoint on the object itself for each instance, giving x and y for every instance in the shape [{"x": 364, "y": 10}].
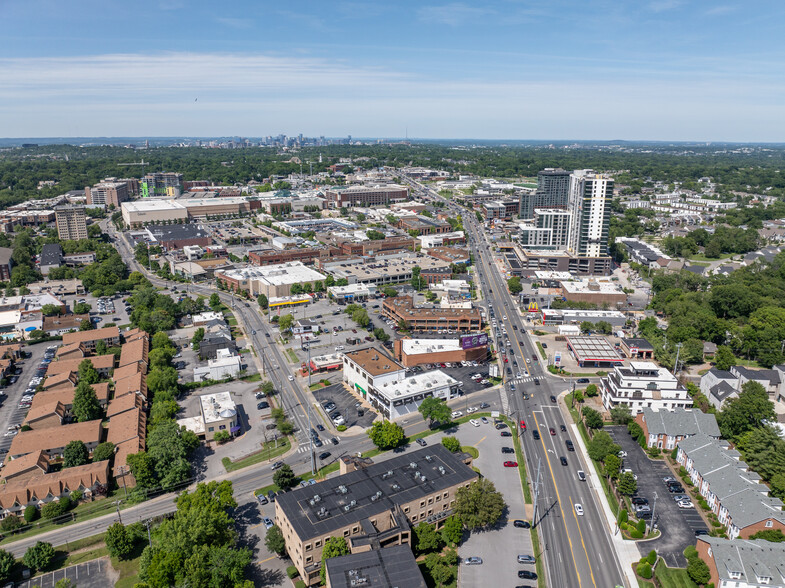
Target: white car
[
  {"x": 339, "y": 420},
  {"x": 475, "y": 422},
  {"x": 291, "y": 378},
  {"x": 471, "y": 410},
  {"x": 685, "y": 504},
  {"x": 579, "y": 510},
  {"x": 456, "y": 414}
]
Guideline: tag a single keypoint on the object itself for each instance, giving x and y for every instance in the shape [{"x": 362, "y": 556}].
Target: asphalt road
[{"x": 577, "y": 549}]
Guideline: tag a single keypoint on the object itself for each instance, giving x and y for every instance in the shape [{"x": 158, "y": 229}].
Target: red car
[
  {"x": 505, "y": 360},
  {"x": 511, "y": 464},
  {"x": 523, "y": 424},
  {"x": 552, "y": 430}
]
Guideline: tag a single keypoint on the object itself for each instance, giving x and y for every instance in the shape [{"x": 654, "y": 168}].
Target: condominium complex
[
  {"x": 548, "y": 230},
  {"x": 107, "y": 193},
  {"x": 372, "y": 507},
  {"x": 553, "y": 189},
  {"x": 643, "y": 385},
  {"x": 590, "y": 208},
  {"x": 161, "y": 184},
  {"x": 71, "y": 222}
]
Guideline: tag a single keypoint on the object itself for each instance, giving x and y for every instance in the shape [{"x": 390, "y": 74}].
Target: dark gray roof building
[{"x": 391, "y": 567}]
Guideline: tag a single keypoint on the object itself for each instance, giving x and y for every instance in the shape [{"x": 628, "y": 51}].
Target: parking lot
[
  {"x": 498, "y": 547},
  {"x": 678, "y": 526},
  {"x": 346, "y": 404},
  {"x": 13, "y": 411},
  {"x": 96, "y": 573}
]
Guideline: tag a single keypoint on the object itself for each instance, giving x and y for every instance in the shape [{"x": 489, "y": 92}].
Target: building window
[
  {"x": 222, "y": 427},
  {"x": 308, "y": 559},
  {"x": 445, "y": 495},
  {"x": 318, "y": 543},
  {"x": 430, "y": 501},
  {"x": 346, "y": 533},
  {"x": 211, "y": 429},
  {"x": 769, "y": 523},
  {"x": 414, "y": 518},
  {"x": 406, "y": 509},
  {"x": 307, "y": 547},
  {"x": 422, "y": 504},
  {"x": 355, "y": 530}
]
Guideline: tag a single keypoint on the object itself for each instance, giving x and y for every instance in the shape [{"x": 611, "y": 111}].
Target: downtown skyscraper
[{"x": 590, "y": 196}]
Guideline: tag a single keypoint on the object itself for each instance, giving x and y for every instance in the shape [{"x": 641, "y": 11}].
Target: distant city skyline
[{"x": 659, "y": 70}]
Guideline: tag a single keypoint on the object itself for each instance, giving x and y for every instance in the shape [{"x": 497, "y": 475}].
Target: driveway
[{"x": 678, "y": 526}]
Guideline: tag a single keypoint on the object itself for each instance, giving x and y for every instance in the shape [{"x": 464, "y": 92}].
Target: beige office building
[{"x": 71, "y": 222}]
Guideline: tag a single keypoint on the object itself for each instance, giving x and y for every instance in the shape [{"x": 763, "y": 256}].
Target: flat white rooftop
[
  {"x": 427, "y": 382},
  {"x": 148, "y": 205},
  {"x": 217, "y": 407},
  {"x": 417, "y": 346},
  {"x": 292, "y": 272}
]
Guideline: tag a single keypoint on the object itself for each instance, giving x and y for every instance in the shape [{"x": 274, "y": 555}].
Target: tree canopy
[{"x": 479, "y": 505}]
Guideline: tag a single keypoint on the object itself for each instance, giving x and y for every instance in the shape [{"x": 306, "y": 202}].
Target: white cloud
[
  {"x": 252, "y": 95},
  {"x": 664, "y": 5},
  {"x": 236, "y": 23}
]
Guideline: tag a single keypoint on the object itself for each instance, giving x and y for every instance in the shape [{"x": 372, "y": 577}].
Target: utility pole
[
  {"x": 117, "y": 506},
  {"x": 310, "y": 435},
  {"x": 149, "y": 539},
  {"x": 676, "y": 365},
  {"x": 536, "y": 492}
]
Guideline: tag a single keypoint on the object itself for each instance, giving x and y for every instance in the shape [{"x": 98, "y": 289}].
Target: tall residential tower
[
  {"x": 553, "y": 190},
  {"x": 590, "y": 208}
]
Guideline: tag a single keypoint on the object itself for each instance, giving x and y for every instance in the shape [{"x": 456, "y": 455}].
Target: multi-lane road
[{"x": 577, "y": 548}]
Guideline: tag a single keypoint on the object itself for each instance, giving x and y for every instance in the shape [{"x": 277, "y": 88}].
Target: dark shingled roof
[
  {"x": 392, "y": 567},
  {"x": 373, "y": 490}
]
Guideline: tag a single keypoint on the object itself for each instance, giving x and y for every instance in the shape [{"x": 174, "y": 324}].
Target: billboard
[{"x": 472, "y": 341}]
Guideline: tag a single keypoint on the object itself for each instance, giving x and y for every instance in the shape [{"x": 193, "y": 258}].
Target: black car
[
  {"x": 262, "y": 405},
  {"x": 638, "y": 500},
  {"x": 536, "y": 382},
  {"x": 527, "y": 575},
  {"x": 521, "y": 524},
  {"x": 324, "y": 455},
  {"x": 536, "y": 435},
  {"x": 319, "y": 427},
  {"x": 500, "y": 426},
  {"x": 582, "y": 380},
  {"x": 562, "y": 428},
  {"x": 506, "y": 434},
  {"x": 508, "y": 450},
  {"x": 553, "y": 398},
  {"x": 317, "y": 442},
  {"x": 334, "y": 441},
  {"x": 570, "y": 446},
  {"x": 563, "y": 460},
  {"x": 271, "y": 495},
  {"x": 675, "y": 489}
]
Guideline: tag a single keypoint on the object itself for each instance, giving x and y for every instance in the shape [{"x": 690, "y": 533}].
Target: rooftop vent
[
  {"x": 413, "y": 465},
  {"x": 396, "y": 487},
  {"x": 387, "y": 475},
  {"x": 342, "y": 489},
  {"x": 428, "y": 458},
  {"x": 441, "y": 470}
]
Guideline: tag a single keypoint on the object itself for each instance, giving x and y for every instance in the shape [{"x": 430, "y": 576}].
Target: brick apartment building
[
  {"x": 372, "y": 506},
  {"x": 431, "y": 319},
  {"x": 412, "y": 352},
  {"x": 372, "y": 247},
  {"x": 274, "y": 256},
  {"x": 366, "y": 195},
  {"x": 107, "y": 193}
]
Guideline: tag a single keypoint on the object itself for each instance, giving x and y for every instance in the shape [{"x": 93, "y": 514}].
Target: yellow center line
[
  {"x": 575, "y": 514},
  {"x": 269, "y": 558},
  {"x": 563, "y": 516},
  {"x": 480, "y": 441}
]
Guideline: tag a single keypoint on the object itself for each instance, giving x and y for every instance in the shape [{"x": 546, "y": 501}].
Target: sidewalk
[{"x": 626, "y": 551}]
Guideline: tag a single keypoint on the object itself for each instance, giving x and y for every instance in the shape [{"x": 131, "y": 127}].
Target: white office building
[
  {"x": 643, "y": 384},
  {"x": 590, "y": 208}
]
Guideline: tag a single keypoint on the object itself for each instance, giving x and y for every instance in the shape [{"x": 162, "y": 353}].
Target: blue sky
[{"x": 516, "y": 69}]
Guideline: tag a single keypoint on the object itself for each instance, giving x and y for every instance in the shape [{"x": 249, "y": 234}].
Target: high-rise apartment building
[
  {"x": 71, "y": 222},
  {"x": 161, "y": 184},
  {"x": 553, "y": 190},
  {"x": 549, "y": 231},
  {"x": 590, "y": 207},
  {"x": 107, "y": 193}
]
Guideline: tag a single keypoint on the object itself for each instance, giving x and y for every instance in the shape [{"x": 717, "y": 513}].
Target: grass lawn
[
  {"x": 292, "y": 355},
  {"x": 540, "y": 566},
  {"x": 701, "y": 257},
  {"x": 129, "y": 568},
  {"x": 542, "y": 350},
  {"x": 641, "y": 584},
  {"x": 252, "y": 378},
  {"x": 270, "y": 451},
  {"x": 673, "y": 577}
]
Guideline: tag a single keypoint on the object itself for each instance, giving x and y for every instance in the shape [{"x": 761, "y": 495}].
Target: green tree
[
  {"x": 87, "y": 373},
  {"x": 86, "y": 325},
  {"x": 333, "y": 547},
  {"x": 284, "y": 477},
  {"x": 591, "y": 391},
  {"x": 698, "y": 571},
  {"x": 451, "y": 444},
  {"x": 103, "y": 452},
  {"x": 7, "y": 563},
  {"x": 724, "y": 358},
  {"x": 101, "y": 348},
  {"x": 285, "y": 322},
  {"x": 452, "y": 531},
  {"x": 197, "y": 338},
  {"x": 746, "y": 412},
  {"x": 39, "y": 556},
  {"x": 296, "y": 289},
  {"x": 85, "y": 403},
  {"x": 621, "y": 415},
  {"x": 427, "y": 538},
  {"x": 267, "y": 388},
  {"x": 51, "y": 309},
  {"x": 773, "y": 535},
  {"x": 31, "y": 513},
  {"x": 11, "y": 523},
  {"x": 514, "y": 285},
  {"x": 627, "y": 483},
  {"x": 386, "y": 434},
  {"x": 435, "y": 409},
  {"x": 380, "y": 334},
  {"x": 143, "y": 469},
  {"x": 262, "y": 301},
  {"x": 360, "y": 316},
  {"x": 75, "y": 454},
  {"x": 390, "y": 292},
  {"x": 82, "y": 308},
  {"x": 592, "y": 418},
  {"x": 162, "y": 379},
  {"x": 118, "y": 542},
  {"x": 612, "y": 465},
  {"x": 274, "y": 541},
  {"x": 601, "y": 445},
  {"x": 479, "y": 505}
]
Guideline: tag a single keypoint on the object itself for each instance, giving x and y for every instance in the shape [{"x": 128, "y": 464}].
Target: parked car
[
  {"x": 268, "y": 522},
  {"x": 527, "y": 575},
  {"x": 506, "y": 434},
  {"x": 511, "y": 464},
  {"x": 473, "y": 561},
  {"x": 508, "y": 450},
  {"x": 526, "y": 559},
  {"x": 262, "y": 499},
  {"x": 421, "y": 442},
  {"x": 521, "y": 524}
]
